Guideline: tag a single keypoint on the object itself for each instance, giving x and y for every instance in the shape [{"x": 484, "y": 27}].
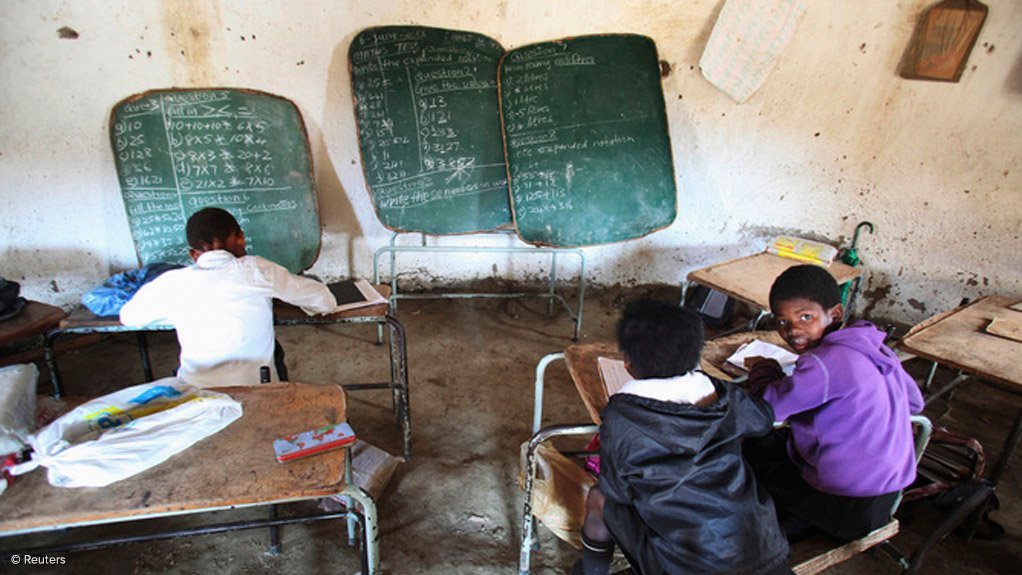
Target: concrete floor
[{"x": 455, "y": 507}]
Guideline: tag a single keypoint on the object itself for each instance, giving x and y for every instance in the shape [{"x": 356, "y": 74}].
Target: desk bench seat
[{"x": 819, "y": 553}]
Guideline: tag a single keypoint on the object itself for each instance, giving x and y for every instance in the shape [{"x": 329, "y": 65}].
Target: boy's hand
[
  {"x": 752, "y": 360},
  {"x": 763, "y": 372}
]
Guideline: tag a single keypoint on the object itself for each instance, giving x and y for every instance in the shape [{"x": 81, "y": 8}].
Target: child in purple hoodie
[{"x": 849, "y": 450}]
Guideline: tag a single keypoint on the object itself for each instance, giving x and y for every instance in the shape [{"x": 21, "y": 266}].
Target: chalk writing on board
[
  {"x": 588, "y": 153},
  {"x": 429, "y": 129},
  {"x": 180, "y": 151}
]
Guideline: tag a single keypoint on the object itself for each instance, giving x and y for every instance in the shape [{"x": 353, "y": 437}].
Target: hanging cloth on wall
[{"x": 746, "y": 43}]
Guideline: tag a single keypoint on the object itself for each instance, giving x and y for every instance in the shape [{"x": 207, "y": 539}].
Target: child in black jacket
[{"x": 679, "y": 497}]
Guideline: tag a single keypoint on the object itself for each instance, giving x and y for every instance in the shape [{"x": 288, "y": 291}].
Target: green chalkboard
[
  {"x": 588, "y": 152},
  {"x": 429, "y": 128},
  {"x": 178, "y": 151}
]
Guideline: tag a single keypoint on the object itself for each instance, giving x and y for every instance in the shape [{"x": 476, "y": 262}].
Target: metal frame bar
[
  {"x": 576, "y": 314},
  {"x": 367, "y": 538},
  {"x": 398, "y": 348},
  {"x": 528, "y": 521}
]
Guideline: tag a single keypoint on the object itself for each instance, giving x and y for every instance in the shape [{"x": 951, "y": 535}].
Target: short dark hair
[
  {"x": 807, "y": 281},
  {"x": 210, "y": 226},
  {"x": 659, "y": 339}
]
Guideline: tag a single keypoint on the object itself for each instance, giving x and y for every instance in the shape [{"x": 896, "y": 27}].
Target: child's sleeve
[
  {"x": 310, "y": 295},
  {"x": 808, "y": 387},
  {"x": 152, "y": 303},
  {"x": 755, "y": 416}
]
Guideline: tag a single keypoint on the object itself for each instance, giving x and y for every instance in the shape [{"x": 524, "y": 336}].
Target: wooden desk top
[
  {"x": 283, "y": 313},
  {"x": 749, "y": 278},
  {"x": 233, "y": 467},
  {"x": 958, "y": 339},
  {"x": 585, "y": 371},
  {"x": 287, "y": 313},
  {"x": 37, "y": 318}
]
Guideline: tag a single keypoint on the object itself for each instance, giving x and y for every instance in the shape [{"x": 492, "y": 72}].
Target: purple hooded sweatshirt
[{"x": 848, "y": 403}]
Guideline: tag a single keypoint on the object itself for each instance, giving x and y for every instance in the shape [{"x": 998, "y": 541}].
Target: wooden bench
[{"x": 818, "y": 553}]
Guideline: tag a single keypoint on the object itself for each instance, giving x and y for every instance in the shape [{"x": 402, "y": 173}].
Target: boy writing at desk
[
  {"x": 849, "y": 452},
  {"x": 222, "y": 305},
  {"x": 674, "y": 491}
]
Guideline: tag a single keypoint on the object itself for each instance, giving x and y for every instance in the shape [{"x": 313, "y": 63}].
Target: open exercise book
[
  {"x": 613, "y": 374},
  {"x": 352, "y": 294},
  {"x": 757, "y": 348}
]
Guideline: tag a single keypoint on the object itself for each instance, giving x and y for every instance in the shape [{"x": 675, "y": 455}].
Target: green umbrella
[{"x": 850, "y": 256}]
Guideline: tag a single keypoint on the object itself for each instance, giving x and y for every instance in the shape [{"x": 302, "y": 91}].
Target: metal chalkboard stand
[{"x": 392, "y": 250}]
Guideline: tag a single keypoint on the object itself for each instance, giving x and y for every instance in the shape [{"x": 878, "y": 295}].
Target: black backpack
[{"x": 10, "y": 301}]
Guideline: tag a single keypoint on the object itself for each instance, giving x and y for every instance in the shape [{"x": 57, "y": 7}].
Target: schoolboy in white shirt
[{"x": 222, "y": 305}]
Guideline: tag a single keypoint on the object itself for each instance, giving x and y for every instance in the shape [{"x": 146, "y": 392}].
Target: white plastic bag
[
  {"x": 17, "y": 406},
  {"x": 126, "y": 432}
]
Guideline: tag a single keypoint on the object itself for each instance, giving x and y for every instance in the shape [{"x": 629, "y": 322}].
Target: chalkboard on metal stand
[
  {"x": 588, "y": 151},
  {"x": 429, "y": 128},
  {"x": 178, "y": 151}
]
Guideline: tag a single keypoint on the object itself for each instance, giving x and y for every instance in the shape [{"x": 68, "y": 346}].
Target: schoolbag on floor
[{"x": 951, "y": 473}]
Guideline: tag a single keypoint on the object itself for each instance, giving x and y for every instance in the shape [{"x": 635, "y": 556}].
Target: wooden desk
[
  {"x": 34, "y": 321},
  {"x": 581, "y": 361},
  {"x": 749, "y": 278},
  {"x": 958, "y": 340},
  {"x": 283, "y": 315},
  {"x": 235, "y": 467}
]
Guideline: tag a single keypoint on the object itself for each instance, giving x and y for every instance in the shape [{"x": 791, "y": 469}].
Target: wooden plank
[
  {"x": 585, "y": 371},
  {"x": 287, "y": 313},
  {"x": 749, "y": 278},
  {"x": 282, "y": 313},
  {"x": 943, "y": 40},
  {"x": 816, "y": 554},
  {"x": 959, "y": 340},
  {"x": 233, "y": 467},
  {"x": 37, "y": 318},
  {"x": 1011, "y": 329}
]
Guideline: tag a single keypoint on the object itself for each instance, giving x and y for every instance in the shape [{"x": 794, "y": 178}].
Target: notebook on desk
[
  {"x": 761, "y": 349},
  {"x": 613, "y": 374},
  {"x": 352, "y": 294}
]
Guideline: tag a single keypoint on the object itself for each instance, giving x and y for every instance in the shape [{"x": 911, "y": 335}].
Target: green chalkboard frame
[
  {"x": 427, "y": 112},
  {"x": 178, "y": 150},
  {"x": 586, "y": 139}
]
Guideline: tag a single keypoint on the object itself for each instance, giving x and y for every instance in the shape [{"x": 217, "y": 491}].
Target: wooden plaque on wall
[{"x": 943, "y": 40}]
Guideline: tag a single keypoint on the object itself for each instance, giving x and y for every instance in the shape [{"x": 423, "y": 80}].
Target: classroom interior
[{"x": 833, "y": 137}]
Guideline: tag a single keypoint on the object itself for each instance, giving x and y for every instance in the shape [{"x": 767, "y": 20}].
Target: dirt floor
[{"x": 456, "y": 507}]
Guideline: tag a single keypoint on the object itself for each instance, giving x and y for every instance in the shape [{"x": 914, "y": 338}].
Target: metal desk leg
[
  {"x": 51, "y": 361},
  {"x": 528, "y": 522},
  {"x": 755, "y": 323},
  {"x": 399, "y": 380},
  {"x": 1010, "y": 443},
  {"x": 275, "y": 546},
  {"x": 553, "y": 283},
  {"x": 143, "y": 352},
  {"x": 537, "y": 396},
  {"x": 371, "y": 532}
]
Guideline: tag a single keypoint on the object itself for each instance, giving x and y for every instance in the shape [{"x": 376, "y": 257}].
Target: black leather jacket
[{"x": 680, "y": 498}]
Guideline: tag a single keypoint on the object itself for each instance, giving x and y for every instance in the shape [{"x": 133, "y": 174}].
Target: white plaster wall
[{"x": 834, "y": 137}]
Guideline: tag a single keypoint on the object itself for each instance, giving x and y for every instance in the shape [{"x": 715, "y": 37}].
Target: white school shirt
[
  {"x": 691, "y": 387},
  {"x": 222, "y": 309}
]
